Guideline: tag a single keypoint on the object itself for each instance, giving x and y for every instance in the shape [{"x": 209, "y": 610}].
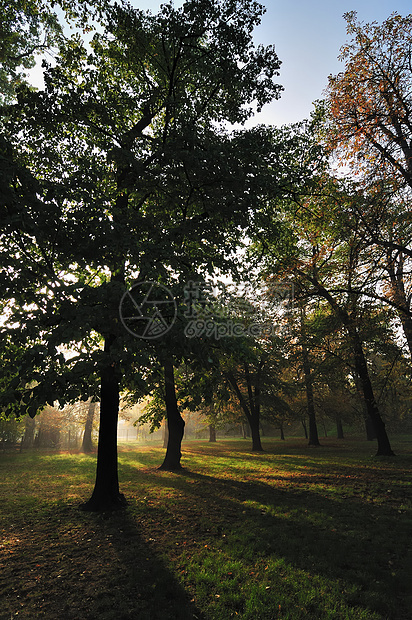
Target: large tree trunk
[
  {"x": 175, "y": 422},
  {"x": 369, "y": 429},
  {"x": 255, "y": 430},
  {"x": 106, "y": 495},
  {"x": 384, "y": 446},
  {"x": 87, "y": 443},
  {"x": 212, "y": 433}
]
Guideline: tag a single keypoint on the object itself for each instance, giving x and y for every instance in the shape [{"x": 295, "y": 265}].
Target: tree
[
  {"x": 334, "y": 367},
  {"x": 370, "y": 128},
  {"x": 175, "y": 422},
  {"x": 27, "y": 28},
  {"x": 87, "y": 442},
  {"x": 308, "y": 378},
  {"x": 49, "y": 428},
  {"x": 121, "y": 171},
  {"x": 11, "y": 430},
  {"x": 29, "y": 430},
  {"x": 246, "y": 383},
  {"x": 202, "y": 388},
  {"x": 371, "y": 101},
  {"x": 239, "y": 355},
  {"x": 383, "y": 219},
  {"x": 275, "y": 406},
  {"x": 330, "y": 264},
  {"x": 31, "y": 28}
]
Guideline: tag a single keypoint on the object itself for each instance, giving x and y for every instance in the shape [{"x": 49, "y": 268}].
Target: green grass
[{"x": 292, "y": 533}]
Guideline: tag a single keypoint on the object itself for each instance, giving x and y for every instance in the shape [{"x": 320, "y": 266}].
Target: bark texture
[
  {"x": 313, "y": 429},
  {"x": 212, "y": 433},
  {"x": 87, "y": 443},
  {"x": 175, "y": 422},
  {"x": 106, "y": 494},
  {"x": 384, "y": 446}
]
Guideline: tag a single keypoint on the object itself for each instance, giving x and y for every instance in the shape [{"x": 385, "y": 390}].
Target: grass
[{"x": 292, "y": 533}]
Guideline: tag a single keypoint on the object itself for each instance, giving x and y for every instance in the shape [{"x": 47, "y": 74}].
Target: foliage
[
  {"x": 11, "y": 431},
  {"x": 369, "y": 120},
  {"x": 33, "y": 28},
  {"x": 27, "y": 28},
  {"x": 370, "y": 101},
  {"x": 120, "y": 170}
]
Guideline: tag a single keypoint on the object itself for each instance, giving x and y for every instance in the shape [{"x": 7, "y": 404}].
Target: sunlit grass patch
[{"x": 289, "y": 533}]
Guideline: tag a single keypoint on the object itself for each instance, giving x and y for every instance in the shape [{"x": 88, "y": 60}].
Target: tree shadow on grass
[
  {"x": 319, "y": 535},
  {"x": 67, "y": 565}
]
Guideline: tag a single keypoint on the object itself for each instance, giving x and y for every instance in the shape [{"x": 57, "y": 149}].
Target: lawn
[{"x": 291, "y": 533}]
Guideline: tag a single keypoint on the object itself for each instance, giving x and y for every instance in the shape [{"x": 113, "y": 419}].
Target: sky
[{"x": 307, "y": 35}]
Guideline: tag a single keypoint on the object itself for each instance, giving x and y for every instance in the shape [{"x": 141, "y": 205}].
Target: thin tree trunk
[
  {"x": 175, "y": 422},
  {"x": 305, "y": 429},
  {"x": 87, "y": 443},
  {"x": 282, "y": 434},
  {"x": 29, "y": 430},
  {"x": 165, "y": 433},
  {"x": 252, "y": 413},
  {"x": 106, "y": 494},
  {"x": 313, "y": 429},
  {"x": 339, "y": 428}
]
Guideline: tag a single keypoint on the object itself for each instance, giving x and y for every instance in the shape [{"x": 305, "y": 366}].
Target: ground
[{"x": 292, "y": 533}]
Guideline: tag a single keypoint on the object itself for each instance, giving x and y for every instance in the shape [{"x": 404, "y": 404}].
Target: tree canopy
[
  {"x": 133, "y": 166},
  {"x": 370, "y": 101},
  {"x": 121, "y": 170}
]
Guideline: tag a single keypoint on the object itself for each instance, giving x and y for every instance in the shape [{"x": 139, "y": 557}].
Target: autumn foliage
[{"x": 371, "y": 100}]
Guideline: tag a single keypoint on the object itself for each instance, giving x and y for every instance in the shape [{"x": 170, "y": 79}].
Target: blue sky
[{"x": 307, "y": 36}]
